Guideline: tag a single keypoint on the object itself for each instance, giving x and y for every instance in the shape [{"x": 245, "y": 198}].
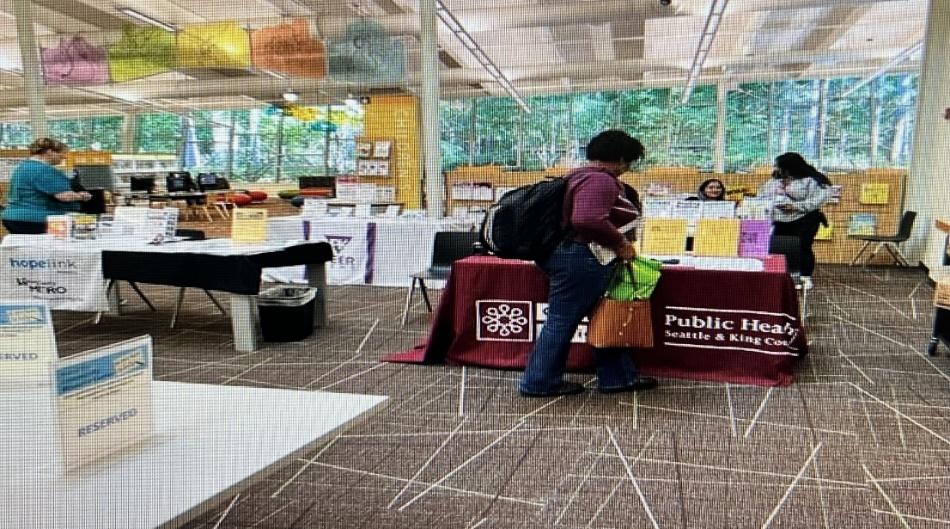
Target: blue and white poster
[
  {"x": 27, "y": 342},
  {"x": 104, "y": 400}
]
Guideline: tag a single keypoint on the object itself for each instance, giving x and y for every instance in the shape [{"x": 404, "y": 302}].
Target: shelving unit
[
  {"x": 126, "y": 165},
  {"x": 480, "y": 187},
  {"x": 839, "y": 249},
  {"x": 376, "y": 164}
]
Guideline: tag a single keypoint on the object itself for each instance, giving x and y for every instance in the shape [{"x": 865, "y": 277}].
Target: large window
[
  {"x": 158, "y": 133},
  {"x": 256, "y": 144},
  {"x": 15, "y": 135},
  {"x": 98, "y": 133},
  {"x": 824, "y": 119}
]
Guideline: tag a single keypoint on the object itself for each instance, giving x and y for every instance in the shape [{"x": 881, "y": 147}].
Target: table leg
[
  {"x": 245, "y": 323},
  {"x": 114, "y": 297},
  {"x": 317, "y": 278}
]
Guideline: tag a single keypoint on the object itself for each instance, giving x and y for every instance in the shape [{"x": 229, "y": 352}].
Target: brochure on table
[
  {"x": 103, "y": 400},
  {"x": 716, "y": 238},
  {"x": 755, "y": 208},
  {"x": 249, "y": 226},
  {"x": 755, "y": 235},
  {"x": 691, "y": 210},
  {"x": 154, "y": 225},
  {"x": 664, "y": 236},
  {"x": 27, "y": 343}
]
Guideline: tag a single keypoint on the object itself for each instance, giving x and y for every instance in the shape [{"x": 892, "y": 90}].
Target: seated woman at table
[
  {"x": 799, "y": 190},
  {"x": 38, "y": 189},
  {"x": 595, "y": 206},
  {"x": 712, "y": 189}
]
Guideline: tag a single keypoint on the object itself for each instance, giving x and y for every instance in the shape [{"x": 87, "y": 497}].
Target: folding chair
[
  {"x": 449, "y": 246},
  {"x": 891, "y": 243}
]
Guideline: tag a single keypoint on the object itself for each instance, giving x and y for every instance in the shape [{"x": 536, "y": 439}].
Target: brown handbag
[{"x": 617, "y": 323}]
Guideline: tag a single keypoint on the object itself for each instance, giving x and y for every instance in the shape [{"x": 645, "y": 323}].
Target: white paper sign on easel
[
  {"x": 104, "y": 400},
  {"x": 27, "y": 342}
]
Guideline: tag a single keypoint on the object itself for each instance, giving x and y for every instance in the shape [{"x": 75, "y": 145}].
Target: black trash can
[{"x": 286, "y": 313}]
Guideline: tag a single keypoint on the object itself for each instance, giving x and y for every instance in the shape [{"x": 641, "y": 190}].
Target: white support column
[
  {"x": 928, "y": 185},
  {"x": 32, "y": 71},
  {"x": 232, "y": 125},
  {"x": 875, "y": 120},
  {"x": 130, "y": 125},
  {"x": 722, "y": 93},
  {"x": 431, "y": 135}
]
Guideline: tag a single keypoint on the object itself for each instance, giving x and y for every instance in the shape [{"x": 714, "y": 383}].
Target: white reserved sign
[
  {"x": 27, "y": 341},
  {"x": 104, "y": 400},
  {"x": 64, "y": 279}
]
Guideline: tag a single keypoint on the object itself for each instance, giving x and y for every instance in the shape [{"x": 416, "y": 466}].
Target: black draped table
[{"x": 215, "y": 264}]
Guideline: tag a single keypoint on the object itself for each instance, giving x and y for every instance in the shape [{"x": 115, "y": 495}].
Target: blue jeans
[{"x": 577, "y": 282}]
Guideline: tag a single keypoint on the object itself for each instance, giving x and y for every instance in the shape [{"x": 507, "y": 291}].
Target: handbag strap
[{"x": 618, "y": 272}]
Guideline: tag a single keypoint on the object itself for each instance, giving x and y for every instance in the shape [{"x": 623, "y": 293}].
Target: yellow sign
[
  {"x": 301, "y": 113},
  {"x": 717, "y": 237},
  {"x": 249, "y": 225},
  {"x": 397, "y": 117},
  {"x": 825, "y": 233},
  {"x": 664, "y": 236},
  {"x": 74, "y": 158},
  {"x": 214, "y": 45},
  {"x": 875, "y": 193}
]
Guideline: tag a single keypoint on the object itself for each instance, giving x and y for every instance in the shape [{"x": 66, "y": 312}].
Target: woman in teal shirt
[{"x": 38, "y": 189}]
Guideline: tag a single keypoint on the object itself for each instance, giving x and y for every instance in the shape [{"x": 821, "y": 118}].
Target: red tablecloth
[{"x": 729, "y": 326}]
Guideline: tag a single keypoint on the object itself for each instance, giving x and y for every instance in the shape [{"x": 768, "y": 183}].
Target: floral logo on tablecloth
[{"x": 504, "y": 321}]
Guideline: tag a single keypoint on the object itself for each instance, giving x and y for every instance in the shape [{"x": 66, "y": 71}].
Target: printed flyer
[
  {"x": 664, "y": 236},
  {"x": 249, "y": 226},
  {"x": 717, "y": 238},
  {"x": 27, "y": 342},
  {"x": 104, "y": 400}
]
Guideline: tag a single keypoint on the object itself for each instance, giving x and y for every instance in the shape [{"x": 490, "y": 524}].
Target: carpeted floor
[{"x": 861, "y": 440}]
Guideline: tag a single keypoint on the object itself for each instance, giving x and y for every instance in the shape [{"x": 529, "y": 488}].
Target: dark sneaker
[
  {"x": 566, "y": 388},
  {"x": 641, "y": 384}
]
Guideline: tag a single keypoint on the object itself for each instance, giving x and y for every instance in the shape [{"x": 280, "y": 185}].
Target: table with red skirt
[{"x": 720, "y": 325}]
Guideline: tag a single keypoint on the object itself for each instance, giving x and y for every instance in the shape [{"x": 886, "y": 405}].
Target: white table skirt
[{"x": 372, "y": 251}]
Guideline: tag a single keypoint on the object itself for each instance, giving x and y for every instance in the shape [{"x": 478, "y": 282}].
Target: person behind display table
[
  {"x": 38, "y": 189},
  {"x": 799, "y": 190},
  {"x": 595, "y": 205},
  {"x": 712, "y": 189}
]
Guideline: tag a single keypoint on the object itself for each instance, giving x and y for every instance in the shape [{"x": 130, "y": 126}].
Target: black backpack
[{"x": 526, "y": 222}]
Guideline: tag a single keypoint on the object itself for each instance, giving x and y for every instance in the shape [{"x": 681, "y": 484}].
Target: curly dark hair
[
  {"x": 614, "y": 146},
  {"x": 795, "y": 166}
]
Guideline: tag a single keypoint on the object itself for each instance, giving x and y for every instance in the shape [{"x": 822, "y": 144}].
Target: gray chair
[
  {"x": 891, "y": 243},
  {"x": 449, "y": 246}
]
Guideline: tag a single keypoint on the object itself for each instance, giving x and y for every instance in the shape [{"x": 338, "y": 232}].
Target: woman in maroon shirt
[{"x": 595, "y": 207}]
